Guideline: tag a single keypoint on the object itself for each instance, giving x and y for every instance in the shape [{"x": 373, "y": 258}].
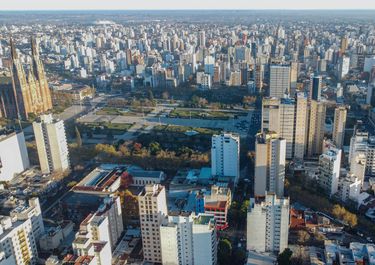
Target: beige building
[
  {"x": 152, "y": 211},
  {"x": 339, "y": 123},
  {"x": 269, "y": 164},
  {"x": 288, "y": 118},
  {"x": 316, "y": 126},
  {"x": 51, "y": 144}
]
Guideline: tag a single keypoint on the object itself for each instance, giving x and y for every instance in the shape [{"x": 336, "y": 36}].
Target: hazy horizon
[{"x": 79, "y": 5}]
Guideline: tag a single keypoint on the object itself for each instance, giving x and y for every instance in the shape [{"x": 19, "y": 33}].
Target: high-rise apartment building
[
  {"x": 188, "y": 239},
  {"x": 315, "y": 87},
  {"x": 268, "y": 224},
  {"x": 338, "y": 133},
  {"x": 225, "y": 156},
  {"x": 288, "y": 118},
  {"x": 316, "y": 126},
  {"x": 344, "y": 66},
  {"x": 51, "y": 143},
  {"x": 19, "y": 234},
  {"x": 269, "y": 164},
  {"x": 202, "y": 39},
  {"x": 25, "y": 93},
  {"x": 152, "y": 211},
  {"x": 30, "y": 211},
  {"x": 279, "y": 80},
  {"x": 329, "y": 170},
  {"x": 293, "y": 77},
  {"x": 13, "y": 155},
  {"x": 17, "y": 241}
]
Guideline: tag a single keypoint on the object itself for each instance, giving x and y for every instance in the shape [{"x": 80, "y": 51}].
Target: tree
[
  {"x": 303, "y": 236},
  {"x": 71, "y": 184},
  {"x": 78, "y": 137},
  {"x": 224, "y": 252},
  {"x": 284, "y": 258},
  {"x": 154, "y": 148},
  {"x": 150, "y": 95}
]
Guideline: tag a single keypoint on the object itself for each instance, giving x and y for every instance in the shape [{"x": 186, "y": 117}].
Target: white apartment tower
[
  {"x": 268, "y": 224},
  {"x": 329, "y": 170},
  {"x": 152, "y": 211},
  {"x": 13, "y": 155},
  {"x": 279, "y": 80},
  {"x": 269, "y": 164},
  {"x": 188, "y": 239},
  {"x": 225, "y": 156},
  {"x": 338, "y": 132},
  {"x": 51, "y": 143}
]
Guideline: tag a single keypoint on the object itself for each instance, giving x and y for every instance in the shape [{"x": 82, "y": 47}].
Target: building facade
[
  {"x": 225, "y": 154},
  {"x": 13, "y": 155},
  {"x": 52, "y": 144},
  {"x": 269, "y": 172},
  {"x": 268, "y": 224}
]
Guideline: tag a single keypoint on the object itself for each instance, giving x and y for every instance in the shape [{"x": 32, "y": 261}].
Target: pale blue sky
[{"x": 184, "y": 4}]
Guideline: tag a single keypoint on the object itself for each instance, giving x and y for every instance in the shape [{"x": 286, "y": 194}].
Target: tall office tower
[
  {"x": 17, "y": 242},
  {"x": 51, "y": 144},
  {"x": 152, "y": 211},
  {"x": 13, "y": 155},
  {"x": 329, "y": 170},
  {"x": 293, "y": 77},
  {"x": 30, "y": 92},
  {"x": 344, "y": 66},
  {"x": 279, "y": 80},
  {"x": 201, "y": 39},
  {"x": 268, "y": 224},
  {"x": 225, "y": 156},
  {"x": 30, "y": 211},
  {"x": 339, "y": 123},
  {"x": 188, "y": 239},
  {"x": 288, "y": 118},
  {"x": 316, "y": 117},
  {"x": 315, "y": 87},
  {"x": 269, "y": 164},
  {"x": 259, "y": 74}
]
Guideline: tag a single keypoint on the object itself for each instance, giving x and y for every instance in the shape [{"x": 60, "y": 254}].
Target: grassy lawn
[
  {"x": 104, "y": 127},
  {"x": 123, "y": 112},
  {"x": 196, "y": 114},
  {"x": 183, "y": 129}
]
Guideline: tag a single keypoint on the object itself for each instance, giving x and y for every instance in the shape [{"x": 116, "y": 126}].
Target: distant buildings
[
  {"x": 225, "y": 151},
  {"x": 152, "y": 211},
  {"x": 51, "y": 143},
  {"x": 269, "y": 172},
  {"x": 13, "y": 155},
  {"x": 268, "y": 224},
  {"x": 329, "y": 170},
  {"x": 26, "y": 92},
  {"x": 188, "y": 239}
]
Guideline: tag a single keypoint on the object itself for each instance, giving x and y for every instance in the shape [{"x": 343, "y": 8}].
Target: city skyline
[{"x": 24, "y": 5}]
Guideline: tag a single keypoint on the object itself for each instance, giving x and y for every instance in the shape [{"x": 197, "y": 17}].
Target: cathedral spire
[
  {"x": 13, "y": 51},
  {"x": 34, "y": 47}
]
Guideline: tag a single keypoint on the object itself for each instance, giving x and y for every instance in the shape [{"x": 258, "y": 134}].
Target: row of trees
[{"x": 344, "y": 215}]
